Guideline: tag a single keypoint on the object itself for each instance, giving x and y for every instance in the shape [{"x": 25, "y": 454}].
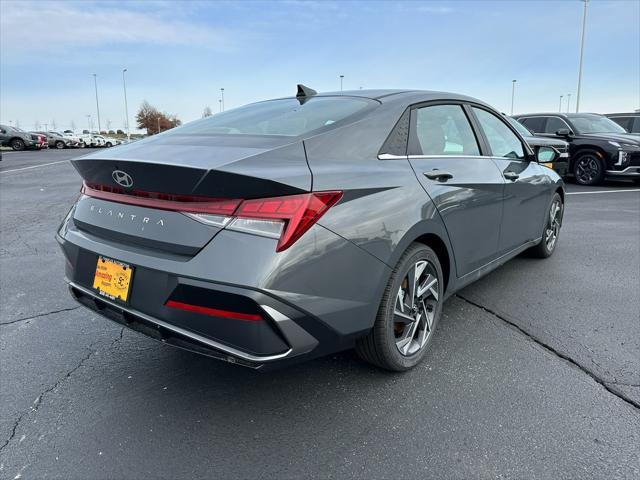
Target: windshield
[
  {"x": 522, "y": 130},
  {"x": 595, "y": 124},
  {"x": 278, "y": 117}
]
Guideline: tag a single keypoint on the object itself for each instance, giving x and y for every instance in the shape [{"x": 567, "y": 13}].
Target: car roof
[
  {"x": 626, "y": 114},
  {"x": 557, "y": 114},
  {"x": 399, "y": 96}
]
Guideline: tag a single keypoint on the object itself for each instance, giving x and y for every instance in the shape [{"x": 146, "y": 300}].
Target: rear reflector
[
  {"x": 285, "y": 218},
  {"x": 214, "y": 312}
]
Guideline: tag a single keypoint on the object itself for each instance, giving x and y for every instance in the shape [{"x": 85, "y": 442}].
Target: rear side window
[
  {"x": 535, "y": 124},
  {"x": 624, "y": 122},
  {"x": 554, "y": 124},
  {"x": 443, "y": 130},
  {"x": 502, "y": 141},
  {"x": 278, "y": 117}
]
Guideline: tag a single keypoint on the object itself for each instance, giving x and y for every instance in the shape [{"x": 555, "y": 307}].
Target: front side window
[
  {"x": 286, "y": 117},
  {"x": 443, "y": 130},
  {"x": 554, "y": 124},
  {"x": 502, "y": 141}
]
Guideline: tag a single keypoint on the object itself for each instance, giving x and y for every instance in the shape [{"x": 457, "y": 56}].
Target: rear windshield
[{"x": 278, "y": 117}]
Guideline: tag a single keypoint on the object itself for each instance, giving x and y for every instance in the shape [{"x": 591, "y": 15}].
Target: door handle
[
  {"x": 439, "y": 175},
  {"x": 511, "y": 176}
]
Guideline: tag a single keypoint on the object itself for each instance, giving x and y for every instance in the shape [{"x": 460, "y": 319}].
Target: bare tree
[
  {"x": 37, "y": 125},
  {"x": 54, "y": 125},
  {"x": 154, "y": 121},
  {"x": 73, "y": 125},
  {"x": 207, "y": 112}
]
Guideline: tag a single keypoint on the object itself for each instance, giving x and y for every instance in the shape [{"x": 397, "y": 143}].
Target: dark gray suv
[
  {"x": 296, "y": 227},
  {"x": 17, "y": 139}
]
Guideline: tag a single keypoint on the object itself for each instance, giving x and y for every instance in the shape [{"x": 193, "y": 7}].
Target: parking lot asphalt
[{"x": 534, "y": 371}]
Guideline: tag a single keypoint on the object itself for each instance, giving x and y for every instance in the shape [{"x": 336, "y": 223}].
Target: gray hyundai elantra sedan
[{"x": 292, "y": 228}]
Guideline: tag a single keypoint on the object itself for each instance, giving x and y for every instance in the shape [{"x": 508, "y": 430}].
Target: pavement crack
[
  {"x": 557, "y": 353},
  {"x": 38, "y": 401},
  {"x": 24, "y": 319}
]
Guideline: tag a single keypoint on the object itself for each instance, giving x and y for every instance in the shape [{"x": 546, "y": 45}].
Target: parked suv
[
  {"x": 561, "y": 163},
  {"x": 18, "y": 139},
  {"x": 598, "y": 147},
  {"x": 629, "y": 121}
]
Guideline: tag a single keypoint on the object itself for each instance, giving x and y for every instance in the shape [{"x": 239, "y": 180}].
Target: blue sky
[{"x": 178, "y": 54}]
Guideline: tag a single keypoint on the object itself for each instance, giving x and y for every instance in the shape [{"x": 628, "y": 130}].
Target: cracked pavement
[{"x": 534, "y": 372}]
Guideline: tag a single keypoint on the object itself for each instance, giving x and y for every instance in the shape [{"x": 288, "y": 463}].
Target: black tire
[
  {"x": 588, "y": 169},
  {"x": 83, "y": 145},
  {"x": 60, "y": 145},
  {"x": 551, "y": 230},
  {"x": 17, "y": 144},
  {"x": 108, "y": 144},
  {"x": 380, "y": 346}
]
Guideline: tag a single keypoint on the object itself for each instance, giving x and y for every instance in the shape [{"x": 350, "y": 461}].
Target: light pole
[
  {"x": 220, "y": 102},
  {"x": 568, "y": 102},
  {"x": 95, "y": 83},
  {"x": 341, "y": 79},
  {"x": 89, "y": 123},
  {"x": 560, "y": 106},
  {"x": 158, "y": 124},
  {"x": 126, "y": 108},
  {"x": 222, "y": 99},
  {"x": 513, "y": 93},
  {"x": 584, "y": 26}
]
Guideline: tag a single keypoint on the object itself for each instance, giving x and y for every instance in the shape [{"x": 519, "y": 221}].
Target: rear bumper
[
  {"x": 313, "y": 299},
  {"x": 298, "y": 341}
]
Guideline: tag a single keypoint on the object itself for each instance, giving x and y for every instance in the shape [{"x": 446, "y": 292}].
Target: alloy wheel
[
  {"x": 415, "y": 308},
  {"x": 587, "y": 169},
  {"x": 553, "y": 226}
]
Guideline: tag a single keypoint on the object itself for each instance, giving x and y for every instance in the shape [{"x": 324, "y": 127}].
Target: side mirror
[
  {"x": 546, "y": 155},
  {"x": 564, "y": 132}
]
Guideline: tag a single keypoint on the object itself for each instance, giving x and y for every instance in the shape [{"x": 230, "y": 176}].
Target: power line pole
[
  {"x": 95, "y": 83},
  {"x": 584, "y": 26},
  {"x": 513, "y": 93},
  {"x": 126, "y": 108}
]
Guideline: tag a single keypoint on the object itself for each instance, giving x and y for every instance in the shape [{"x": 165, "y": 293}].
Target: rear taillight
[{"x": 285, "y": 218}]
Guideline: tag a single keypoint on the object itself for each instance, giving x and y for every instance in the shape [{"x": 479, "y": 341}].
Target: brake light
[
  {"x": 284, "y": 218},
  {"x": 295, "y": 213}
]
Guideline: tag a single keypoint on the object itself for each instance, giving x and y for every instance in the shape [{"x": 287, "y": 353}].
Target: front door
[
  {"x": 466, "y": 187},
  {"x": 526, "y": 187}
]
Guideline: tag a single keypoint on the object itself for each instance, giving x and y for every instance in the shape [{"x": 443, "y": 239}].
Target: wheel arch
[
  {"x": 599, "y": 151},
  {"x": 432, "y": 234}
]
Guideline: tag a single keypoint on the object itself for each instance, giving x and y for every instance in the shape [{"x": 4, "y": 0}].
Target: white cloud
[{"x": 27, "y": 27}]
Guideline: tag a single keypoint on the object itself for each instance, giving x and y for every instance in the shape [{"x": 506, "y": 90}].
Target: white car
[
  {"x": 97, "y": 141},
  {"x": 111, "y": 142}
]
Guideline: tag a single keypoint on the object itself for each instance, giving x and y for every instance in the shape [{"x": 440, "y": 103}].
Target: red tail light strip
[
  {"x": 298, "y": 212},
  {"x": 214, "y": 312},
  {"x": 162, "y": 201}
]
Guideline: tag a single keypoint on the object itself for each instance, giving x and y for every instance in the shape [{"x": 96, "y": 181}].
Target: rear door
[
  {"x": 527, "y": 186},
  {"x": 466, "y": 187}
]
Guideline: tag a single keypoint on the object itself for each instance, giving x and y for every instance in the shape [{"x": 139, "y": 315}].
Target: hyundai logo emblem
[{"x": 122, "y": 178}]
